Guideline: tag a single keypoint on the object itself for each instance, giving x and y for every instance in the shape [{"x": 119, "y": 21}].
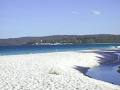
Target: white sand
[{"x": 49, "y": 71}]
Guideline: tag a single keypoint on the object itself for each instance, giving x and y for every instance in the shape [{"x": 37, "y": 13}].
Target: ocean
[
  {"x": 28, "y": 49},
  {"x": 106, "y": 73}
]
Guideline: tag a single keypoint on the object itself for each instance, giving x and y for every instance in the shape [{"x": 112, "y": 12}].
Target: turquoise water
[{"x": 12, "y": 50}]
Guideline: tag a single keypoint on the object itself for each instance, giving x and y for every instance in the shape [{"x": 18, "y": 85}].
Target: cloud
[
  {"x": 96, "y": 12},
  {"x": 75, "y": 12}
]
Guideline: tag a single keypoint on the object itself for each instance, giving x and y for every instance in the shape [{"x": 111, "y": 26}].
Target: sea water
[
  {"x": 28, "y": 49},
  {"x": 106, "y": 73}
]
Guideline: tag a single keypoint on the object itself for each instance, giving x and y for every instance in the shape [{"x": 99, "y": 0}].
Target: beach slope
[{"x": 50, "y": 71}]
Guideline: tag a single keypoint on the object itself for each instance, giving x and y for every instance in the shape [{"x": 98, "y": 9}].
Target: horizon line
[{"x": 57, "y": 35}]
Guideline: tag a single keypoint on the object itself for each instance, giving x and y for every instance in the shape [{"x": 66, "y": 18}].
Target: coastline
[{"x": 46, "y": 71}]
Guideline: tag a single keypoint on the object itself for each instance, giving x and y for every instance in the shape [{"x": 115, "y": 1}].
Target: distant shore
[{"x": 62, "y": 39}]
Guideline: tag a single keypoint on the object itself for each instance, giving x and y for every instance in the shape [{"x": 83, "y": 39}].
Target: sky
[{"x": 23, "y": 18}]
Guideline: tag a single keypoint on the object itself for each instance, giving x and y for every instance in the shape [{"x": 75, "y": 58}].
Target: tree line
[{"x": 73, "y": 39}]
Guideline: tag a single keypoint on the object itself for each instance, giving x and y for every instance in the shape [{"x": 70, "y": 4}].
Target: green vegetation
[
  {"x": 62, "y": 39},
  {"x": 54, "y": 71}
]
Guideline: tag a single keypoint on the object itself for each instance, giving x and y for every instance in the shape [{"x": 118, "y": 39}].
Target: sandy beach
[{"x": 50, "y": 71}]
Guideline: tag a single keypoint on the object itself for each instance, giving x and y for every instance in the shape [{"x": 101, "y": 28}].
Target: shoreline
[
  {"x": 51, "y": 70},
  {"x": 79, "y": 51}
]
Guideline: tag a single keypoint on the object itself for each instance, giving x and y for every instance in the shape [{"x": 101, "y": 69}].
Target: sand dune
[{"x": 50, "y": 71}]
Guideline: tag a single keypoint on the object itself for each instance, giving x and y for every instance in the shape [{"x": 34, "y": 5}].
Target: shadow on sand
[{"x": 106, "y": 59}]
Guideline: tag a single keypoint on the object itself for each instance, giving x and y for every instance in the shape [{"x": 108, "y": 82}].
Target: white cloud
[
  {"x": 75, "y": 12},
  {"x": 96, "y": 12}
]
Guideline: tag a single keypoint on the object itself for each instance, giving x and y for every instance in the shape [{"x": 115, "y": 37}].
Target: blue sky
[{"x": 19, "y": 18}]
